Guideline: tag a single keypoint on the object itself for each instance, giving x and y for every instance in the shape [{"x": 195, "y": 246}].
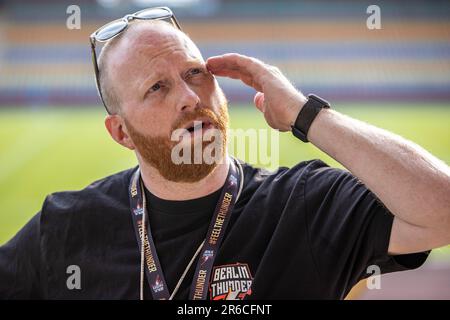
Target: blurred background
[{"x": 52, "y": 136}]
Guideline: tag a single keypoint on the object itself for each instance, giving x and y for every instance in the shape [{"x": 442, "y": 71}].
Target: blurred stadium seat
[{"x": 323, "y": 46}]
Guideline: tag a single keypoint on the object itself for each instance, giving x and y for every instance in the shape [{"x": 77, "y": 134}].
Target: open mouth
[{"x": 198, "y": 126}]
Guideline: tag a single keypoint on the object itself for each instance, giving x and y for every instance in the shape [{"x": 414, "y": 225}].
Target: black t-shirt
[{"x": 308, "y": 232}]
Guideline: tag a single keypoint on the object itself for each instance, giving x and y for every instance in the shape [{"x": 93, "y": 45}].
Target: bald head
[{"x": 118, "y": 54}]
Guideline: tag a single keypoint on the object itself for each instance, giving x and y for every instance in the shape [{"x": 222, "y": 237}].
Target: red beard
[{"x": 157, "y": 151}]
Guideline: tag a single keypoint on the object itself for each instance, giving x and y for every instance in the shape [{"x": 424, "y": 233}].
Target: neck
[{"x": 169, "y": 190}]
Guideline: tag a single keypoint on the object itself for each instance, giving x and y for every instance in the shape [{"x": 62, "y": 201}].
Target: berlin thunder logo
[{"x": 231, "y": 282}]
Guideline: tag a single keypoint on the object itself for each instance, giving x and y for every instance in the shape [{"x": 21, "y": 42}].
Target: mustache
[{"x": 197, "y": 113}]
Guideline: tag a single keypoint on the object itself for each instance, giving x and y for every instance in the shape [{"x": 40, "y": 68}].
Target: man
[{"x": 166, "y": 230}]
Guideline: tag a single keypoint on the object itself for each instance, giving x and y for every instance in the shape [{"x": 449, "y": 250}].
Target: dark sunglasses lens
[
  {"x": 110, "y": 30},
  {"x": 156, "y": 13}
]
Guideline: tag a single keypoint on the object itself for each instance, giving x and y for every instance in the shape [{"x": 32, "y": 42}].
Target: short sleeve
[
  {"x": 349, "y": 230},
  {"x": 20, "y": 263}
]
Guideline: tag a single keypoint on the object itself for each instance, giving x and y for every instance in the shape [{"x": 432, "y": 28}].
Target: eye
[
  {"x": 195, "y": 71},
  {"x": 155, "y": 87}
]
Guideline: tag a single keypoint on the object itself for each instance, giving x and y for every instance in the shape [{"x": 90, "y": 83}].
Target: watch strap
[{"x": 307, "y": 115}]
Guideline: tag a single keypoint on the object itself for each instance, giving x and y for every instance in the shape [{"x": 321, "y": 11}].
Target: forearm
[{"x": 412, "y": 184}]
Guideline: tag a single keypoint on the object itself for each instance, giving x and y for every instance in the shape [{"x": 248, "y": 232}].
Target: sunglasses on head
[{"x": 116, "y": 27}]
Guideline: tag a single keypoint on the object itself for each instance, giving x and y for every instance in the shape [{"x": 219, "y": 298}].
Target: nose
[{"x": 188, "y": 100}]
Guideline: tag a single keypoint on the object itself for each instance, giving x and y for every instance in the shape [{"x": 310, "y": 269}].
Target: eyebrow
[{"x": 194, "y": 62}]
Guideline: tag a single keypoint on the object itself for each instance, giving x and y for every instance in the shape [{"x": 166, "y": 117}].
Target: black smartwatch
[{"x": 307, "y": 115}]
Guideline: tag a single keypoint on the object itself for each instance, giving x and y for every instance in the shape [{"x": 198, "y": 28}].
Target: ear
[{"x": 116, "y": 128}]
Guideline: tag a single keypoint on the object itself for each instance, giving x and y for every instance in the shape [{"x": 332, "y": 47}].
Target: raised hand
[{"x": 277, "y": 98}]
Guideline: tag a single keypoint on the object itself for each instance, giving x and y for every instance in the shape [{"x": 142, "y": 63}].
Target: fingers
[
  {"x": 237, "y": 66},
  {"x": 259, "y": 101},
  {"x": 233, "y": 61},
  {"x": 244, "y": 77}
]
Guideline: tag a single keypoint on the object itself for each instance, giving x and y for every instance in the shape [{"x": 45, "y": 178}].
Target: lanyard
[{"x": 209, "y": 249}]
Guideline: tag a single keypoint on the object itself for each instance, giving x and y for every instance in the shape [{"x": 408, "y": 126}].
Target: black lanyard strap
[
  {"x": 208, "y": 253},
  {"x": 153, "y": 270}
]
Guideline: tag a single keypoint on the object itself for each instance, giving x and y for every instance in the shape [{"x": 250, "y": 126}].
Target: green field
[{"x": 47, "y": 150}]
